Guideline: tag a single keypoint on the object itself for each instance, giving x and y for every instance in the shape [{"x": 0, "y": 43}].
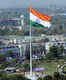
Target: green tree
[
  {"x": 2, "y": 58},
  {"x": 10, "y": 53},
  {"x": 46, "y": 40},
  {"x": 57, "y": 76},
  {"x": 40, "y": 78},
  {"x": 48, "y": 77},
  {"x": 3, "y": 75},
  {"x": 60, "y": 50},
  {"x": 53, "y": 52},
  {"x": 2, "y": 61},
  {"x": 27, "y": 66}
]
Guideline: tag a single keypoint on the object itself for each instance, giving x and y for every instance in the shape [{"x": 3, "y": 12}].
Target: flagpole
[
  {"x": 30, "y": 47},
  {"x": 30, "y": 54},
  {"x": 30, "y": 41}
]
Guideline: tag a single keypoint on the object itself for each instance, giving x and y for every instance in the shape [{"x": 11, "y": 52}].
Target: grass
[{"x": 51, "y": 66}]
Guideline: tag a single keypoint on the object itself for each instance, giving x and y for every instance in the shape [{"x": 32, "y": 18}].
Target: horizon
[{"x": 60, "y": 6}]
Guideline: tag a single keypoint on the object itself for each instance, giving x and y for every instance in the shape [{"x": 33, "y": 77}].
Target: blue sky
[{"x": 34, "y": 3}]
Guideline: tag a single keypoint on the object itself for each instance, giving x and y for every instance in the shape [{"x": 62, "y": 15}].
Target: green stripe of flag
[{"x": 34, "y": 24}]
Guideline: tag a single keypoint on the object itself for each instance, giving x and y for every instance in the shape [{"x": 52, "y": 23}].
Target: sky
[{"x": 34, "y": 3}]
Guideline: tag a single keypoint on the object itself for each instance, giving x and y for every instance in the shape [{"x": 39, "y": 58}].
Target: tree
[
  {"x": 55, "y": 50},
  {"x": 48, "y": 77},
  {"x": 10, "y": 53},
  {"x": 3, "y": 75},
  {"x": 60, "y": 50},
  {"x": 57, "y": 76},
  {"x": 46, "y": 40},
  {"x": 2, "y": 61},
  {"x": 2, "y": 58},
  {"x": 40, "y": 78},
  {"x": 53, "y": 53},
  {"x": 27, "y": 66}
]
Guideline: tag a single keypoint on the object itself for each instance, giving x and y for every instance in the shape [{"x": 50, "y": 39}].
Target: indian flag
[{"x": 39, "y": 20}]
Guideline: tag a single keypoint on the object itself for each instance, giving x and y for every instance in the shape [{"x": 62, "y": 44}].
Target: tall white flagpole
[
  {"x": 30, "y": 43},
  {"x": 30, "y": 46},
  {"x": 30, "y": 53}
]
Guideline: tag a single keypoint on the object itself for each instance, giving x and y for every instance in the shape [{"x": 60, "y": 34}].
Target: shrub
[
  {"x": 64, "y": 78},
  {"x": 57, "y": 76},
  {"x": 39, "y": 78},
  {"x": 2, "y": 58},
  {"x": 16, "y": 77},
  {"x": 48, "y": 77},
  {"x": 3, "y": 75}
]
